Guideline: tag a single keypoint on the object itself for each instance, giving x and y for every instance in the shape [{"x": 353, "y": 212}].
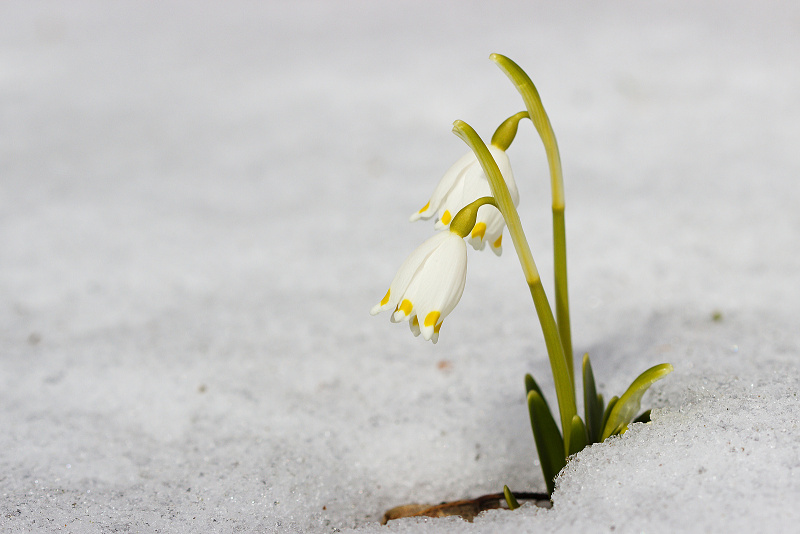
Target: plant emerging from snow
[{"x": 475, "y": 198}]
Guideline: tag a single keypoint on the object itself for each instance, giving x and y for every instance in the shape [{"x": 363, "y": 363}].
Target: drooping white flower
[
  {"x": 463, "y": 183},
  {"x": 428, "y": 285}
]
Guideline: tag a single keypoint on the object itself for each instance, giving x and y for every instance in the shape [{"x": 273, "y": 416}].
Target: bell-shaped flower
[
  {"x": 428, "y": 285},
  {"x": 463, "y": 183}
]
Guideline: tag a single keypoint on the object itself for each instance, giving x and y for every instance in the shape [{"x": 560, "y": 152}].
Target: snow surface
[{"x": 200, "y": 203}]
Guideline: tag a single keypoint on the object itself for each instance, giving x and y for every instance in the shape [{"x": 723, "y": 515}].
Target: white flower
[
  {"x": 460, "y": 185},
  {"x": 428, "y": 285}
]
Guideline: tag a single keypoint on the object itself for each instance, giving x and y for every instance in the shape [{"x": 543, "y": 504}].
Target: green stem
[
  {"x": 540, "y": 120},
  {"x": 562, "y": 294},
  {"x": 565, "y": 391}
]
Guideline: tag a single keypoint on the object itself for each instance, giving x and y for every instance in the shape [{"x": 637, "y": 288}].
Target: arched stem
[
  {"x": 565, "y": 390},
  {"x": 540, "y": 120}
]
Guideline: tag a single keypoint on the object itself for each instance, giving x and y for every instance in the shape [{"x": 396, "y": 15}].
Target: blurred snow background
[{"x": 199, "y": 203}]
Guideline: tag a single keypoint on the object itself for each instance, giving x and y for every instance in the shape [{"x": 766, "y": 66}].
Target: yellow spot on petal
[
  {"x": 437, "y": 328},
  {"x": 406, "y": 306},
  {"x": 425, "y": 207},
  {"x": 415, "y": 321},
  {"x": 386, "y": 298},
  {"x": 479, "y": 230},
  {"x": 431, "y": 318},
  {"x": 446, "y": 217},
  {"x": 497, "y": 243}
]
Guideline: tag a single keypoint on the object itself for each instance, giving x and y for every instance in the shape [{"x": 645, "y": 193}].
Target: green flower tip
[
  {"x": 505, "y": 133},
  {"x": 464, "y": 221}
]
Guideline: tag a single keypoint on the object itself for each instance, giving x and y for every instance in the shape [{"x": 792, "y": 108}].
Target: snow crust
[{"x": 199, "y": 204}]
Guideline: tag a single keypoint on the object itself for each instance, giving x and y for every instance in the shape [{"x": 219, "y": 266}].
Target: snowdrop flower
[
  {"x": 428, "y": 285},
  {"x": 430, "y": 282},
  {"x": 460, "y": 185}
]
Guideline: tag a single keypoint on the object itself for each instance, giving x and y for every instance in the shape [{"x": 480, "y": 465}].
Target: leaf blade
[
  {"x": 625, "y": 409},
  {"x": 578, "y": 438},
  {"x": 592, "y": 403},
  {"x": 510, "y": 499},
  {"x": 549, "y": 443},
  {"x": 532, "y": 385}
]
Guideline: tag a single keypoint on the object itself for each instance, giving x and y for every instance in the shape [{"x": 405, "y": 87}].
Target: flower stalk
[
  {"x": 540, "y": 120},
  {"x": 558, "y": 361}
]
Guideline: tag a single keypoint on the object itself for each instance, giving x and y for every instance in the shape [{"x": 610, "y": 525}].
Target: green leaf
[
  {"x": 532, "y": 385},
  {"x": 629, "y": 404},
  {"x": 611, "y": 402},
  {"x": 549, "y": 443},
  {"x": 510, "y": 499},
  {"x": 592, "y": 403},
  {"x": 621, "y": 429},
  {"x": 577, "y": 439}
]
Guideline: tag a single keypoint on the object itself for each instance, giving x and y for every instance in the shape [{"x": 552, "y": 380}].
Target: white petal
[
  {"x": 407, "y": 271},
  {"x": 498, "y": 250},
  {"x": 414, "y": 325},
  {"x": 472, "y": 185},
  {"x": 439, "y": 285},
  {"x": 494, "y": 233},
  {"x": 455, "y": 199},
  {"x": 493, "y": 220},
  {"x": 444, "y": 187},
  {"x": 475, "y": 186},
  {"x": 400, "y": 315}
]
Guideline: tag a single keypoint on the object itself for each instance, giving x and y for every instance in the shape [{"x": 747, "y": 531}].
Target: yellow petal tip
[
  {"x": 432, "y": 318},
  {"x": 479, "y": 230}
]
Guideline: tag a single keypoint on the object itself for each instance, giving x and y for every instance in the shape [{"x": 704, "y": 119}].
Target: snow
[{"x": 200, "y": 204}]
